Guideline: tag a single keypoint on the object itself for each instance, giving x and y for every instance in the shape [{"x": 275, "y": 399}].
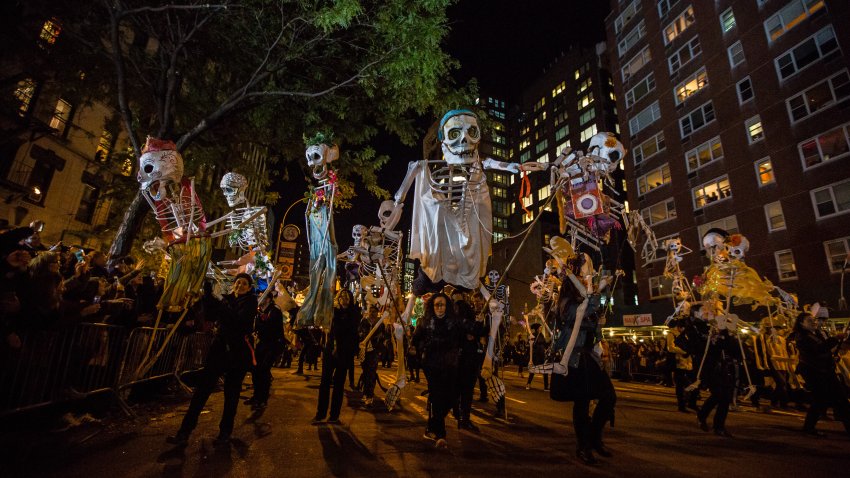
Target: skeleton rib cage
[{"x": 181, "y": 217}]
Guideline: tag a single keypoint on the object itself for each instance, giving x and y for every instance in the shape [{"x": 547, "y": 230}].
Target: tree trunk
[{"x": 131, "y": 223}]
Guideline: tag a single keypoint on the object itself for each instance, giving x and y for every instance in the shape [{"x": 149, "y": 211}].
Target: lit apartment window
[
  {"x": 500, "y": 222},
  {"x": 526, "y": 218},
  {"x": 755, "y": 131},
  {"x": 524, "y": 143},
  {"x": 775, "y": 218},
  {"x": 104, "y": 146},
  {"x": 764, "y": 172},
  {"x": 659, "y": 212},
  {"x": 24, "y": 92},
  {"x": 684, "y": 55},
  {"x": 544, "y": 192},
  {"x": 789, "y": 17},
  {"x": 498, "y": 236},
  {"x": 562, "y": 132},
  {"x": 645, "y": 118},
  {"x": 727, "y": 20},
  {"x": 679, "y": 25},
  {"x": 559, "y": 89},
  {"x": 648, "y": 148},
  {"x": 499, "y": 192},
  {"x": 736, "y": 54},
  {"x": 706, "y": 153},
  {"x": 583, "y": 86},
  {"x": 562, "y": 117},
  {"x": 49, "y": 33},
  {"x": 630, "y": 39},
  {"x": 836, "y": 253},
  {"x": 832, "y": 200},
  {"x": 691, "y": 85},
  {"x": 636, "y": 63},
  {"x": 588, "y": 133},
  {"x": 806, "y": 53},
  {"x": 61, "y": 115},
  {"x": 785, "y": 265},
  {"x": 643, "y": 88},
  {"x": 664, "y": 6},
  {"x": 819, "y": 97},
  {"x": 586, "y": 116},
  {"x": 745, "y": 90},
  {"x": 525, "y": 156},
  {"x": 824, "y": 147},
  {"x": 697, "y": 119},
  {"x": 562, "y": 147},
  {"x": 624, "y": 18},
  {"x": 654, "y": 179},
  {"x": 543, "y": 158},
  {"x": 728, "y": 224},
  {"x": 541, "y": 146},
  {"x": 711, "y": 192},
  {"x": 585, "y": 100},
  {"x": 660, "y": 286},
  {"x": 540, "y": 104}
]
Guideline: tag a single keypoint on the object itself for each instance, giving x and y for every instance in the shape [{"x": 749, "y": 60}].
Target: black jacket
[
  {"x": 439, "y": 341},
  {"x": 343, "y": 335},
  {"x": 235, "y": 319},
  {"x": 816, "y": 360}
]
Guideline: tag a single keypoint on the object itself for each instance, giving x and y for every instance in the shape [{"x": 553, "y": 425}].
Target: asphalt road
[{"x": 650, "y": 439}]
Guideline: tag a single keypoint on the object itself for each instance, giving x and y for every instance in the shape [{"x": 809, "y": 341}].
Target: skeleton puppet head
[
  {"x": 234, "y": 186},
  {"x": 159, "y": 164},
  {"x": 319, "y": 154},
  {"x": 359, "y": 233},
  {"x": 714, "y": 242},
  {"x": 607, "y": 147},
  {"x": 388, "y": 214},
  {"x": 459, "y": 134},
  {"x": 738, "y": 246},
  {"x": 494, "y": 276}
]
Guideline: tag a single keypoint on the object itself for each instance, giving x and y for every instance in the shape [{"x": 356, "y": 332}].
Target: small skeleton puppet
[
  {"x": 635, "y": 226},
  {"x": 317, "y": 308},
  {"x": 578, "y": 181},
  {"x": 497, "y": 302},
  {"x": 452, "y": 214},
  {"x": 352, "y": 258},
  {"x": 683, "y": 295},
  {"x": 248, "y": 223}
]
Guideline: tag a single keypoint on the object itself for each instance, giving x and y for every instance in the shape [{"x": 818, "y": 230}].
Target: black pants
[
  {"x": 467, "y": 377},
  {"x": 720, "y": 398},
  {"x": 261, "y": 374},
  {"x": 334, "y": 370},
  {"x": 216, "y": 366},
  {"x": 370, "y": 373},
  {"x": 589, "y": 429},
  {"x": 827, "y": 392},
  {"x": 682, "y": 378},
  {"x": 441, "y": 398}
]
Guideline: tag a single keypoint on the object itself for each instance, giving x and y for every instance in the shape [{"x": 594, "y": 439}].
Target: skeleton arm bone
[
  {"x": 412, "y": 168},
  {"x": 515, "y": 168}
]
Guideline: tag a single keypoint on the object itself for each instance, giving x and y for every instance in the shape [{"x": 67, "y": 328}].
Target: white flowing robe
[{"x": 452, "y": 244}]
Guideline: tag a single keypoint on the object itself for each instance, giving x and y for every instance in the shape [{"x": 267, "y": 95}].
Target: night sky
[{"x": 505, "y": 45}]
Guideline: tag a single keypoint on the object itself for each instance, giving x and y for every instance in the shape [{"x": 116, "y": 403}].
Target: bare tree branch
[
  {"x": 133, "y": 11},
  {"x": 121, "y": 77}
]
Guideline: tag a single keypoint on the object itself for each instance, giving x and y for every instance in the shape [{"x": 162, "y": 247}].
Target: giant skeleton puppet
[
  {"x": 181, "y": 217},
  {"x": 451, "y": 234},
  {"x": 317, "y": 308}
]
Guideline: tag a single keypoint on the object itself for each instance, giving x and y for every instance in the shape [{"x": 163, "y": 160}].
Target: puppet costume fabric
[{"x": 317, "y": 308}]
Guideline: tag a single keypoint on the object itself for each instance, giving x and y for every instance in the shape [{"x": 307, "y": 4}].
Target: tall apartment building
[
  {"x": 737, "y": 115},
  {"x": 569, "y": 103}
]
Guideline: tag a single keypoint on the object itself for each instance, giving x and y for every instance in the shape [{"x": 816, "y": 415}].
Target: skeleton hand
[{"x": 533, "y": 166}]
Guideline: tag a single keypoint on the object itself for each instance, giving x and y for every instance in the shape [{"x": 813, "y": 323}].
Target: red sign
[{"x": 637, "y": 320}]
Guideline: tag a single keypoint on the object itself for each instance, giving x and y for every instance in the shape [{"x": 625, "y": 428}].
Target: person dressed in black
[
  {"x": 471, "y": 358},
  {"x": 438, "y": 335},
  {"x": 270, "y": 343},
  {"x": 721, "y": 362},
  {"x": 338, "y": 356},
  {"x": 585, "y": 380},
  {"x": 817, "y": 366},
  {"x": 230, "y": 354},
  {"x": 539, "y": 345}
]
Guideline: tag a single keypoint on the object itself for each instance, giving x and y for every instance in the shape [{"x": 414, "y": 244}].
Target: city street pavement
[{"x": 650, "y": 438}]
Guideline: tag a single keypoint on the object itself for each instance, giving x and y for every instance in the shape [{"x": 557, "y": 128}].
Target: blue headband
[{"x": 452, "y": 114}]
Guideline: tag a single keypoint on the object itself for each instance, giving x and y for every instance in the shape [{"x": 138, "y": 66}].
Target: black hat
[
  {"x": 9, "y": 240},
  {"x": 245, "y": 276}
]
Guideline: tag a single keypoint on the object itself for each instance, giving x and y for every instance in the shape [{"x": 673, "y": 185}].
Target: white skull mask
[
  {"x": 388, "y": 214},
  {"x": 606, "y": 146},
  {"x": 494, "y": 277},
  {"x": 318, "y": 158},
  {"x": 740, "y": 250},
  {"x": 460, "y": 136},
  {"x": 359, "y": 233},
  {"x": 673, "y": 245},
  {"x": 234, "y": 186},
  {"x": 714, "y": 242},
  {"x": 156, "y": 168}
]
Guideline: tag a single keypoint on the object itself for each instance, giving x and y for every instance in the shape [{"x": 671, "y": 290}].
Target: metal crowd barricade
[{"x": 75, "y": 362}]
